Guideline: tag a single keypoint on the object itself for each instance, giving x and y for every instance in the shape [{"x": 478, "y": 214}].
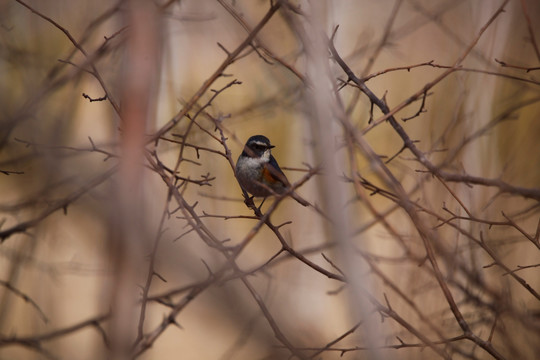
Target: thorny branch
[{"x": 443, "y": 253}]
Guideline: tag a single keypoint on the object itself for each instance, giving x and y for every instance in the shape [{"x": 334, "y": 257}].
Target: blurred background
[{"x": 124, "y": 233}]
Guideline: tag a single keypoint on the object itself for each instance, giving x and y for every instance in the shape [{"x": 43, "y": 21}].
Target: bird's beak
[{"x": 271, "y": 146}]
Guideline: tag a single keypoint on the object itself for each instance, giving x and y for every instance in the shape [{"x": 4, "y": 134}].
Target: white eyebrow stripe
[{"x": 259, "y": 143}]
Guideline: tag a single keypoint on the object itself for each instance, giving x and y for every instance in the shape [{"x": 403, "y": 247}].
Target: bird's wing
[{"x": 272, "y": 172}]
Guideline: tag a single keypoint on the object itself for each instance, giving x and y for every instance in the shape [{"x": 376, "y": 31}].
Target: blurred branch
[
  {"x": 26, "y": 298},
  {"x": 231, "y": 57},
  {"x": 151, "y": 271},
  {"x": 409, "y": 144},
  {"x": 257, "y": 43},
  {"x": 404, "y": 202},
  {"x": 62, "y": 204},
  {"x": 36, "y": 340},
  {"x": 505, "y": 64},
  {"x": 80, "y": 48},
  {"x": 445, "y": 258},
  {"x": 534, "y": 44}
]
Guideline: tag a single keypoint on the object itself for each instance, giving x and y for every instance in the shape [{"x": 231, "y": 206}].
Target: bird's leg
[{"x": 248, "y": 200}]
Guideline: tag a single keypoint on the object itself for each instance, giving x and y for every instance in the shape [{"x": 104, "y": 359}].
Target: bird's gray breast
[{"x": 249, "y": 175}]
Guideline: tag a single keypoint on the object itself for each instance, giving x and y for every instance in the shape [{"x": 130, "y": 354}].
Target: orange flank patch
[{"x": 267, "y": 176}]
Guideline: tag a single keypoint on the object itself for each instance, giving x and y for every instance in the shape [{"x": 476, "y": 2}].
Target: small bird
[{"x": 258, "y": 172}]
